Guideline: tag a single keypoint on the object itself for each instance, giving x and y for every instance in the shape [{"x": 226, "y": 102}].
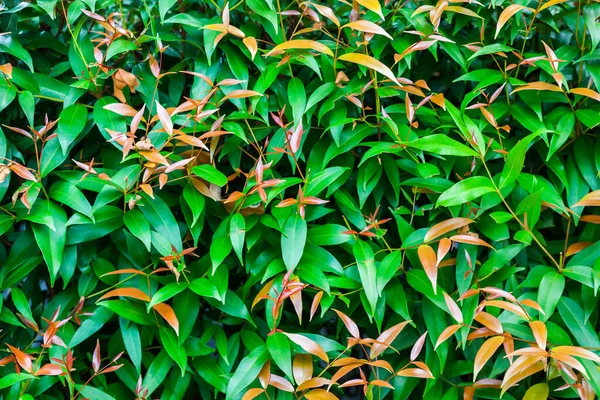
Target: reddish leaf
[
  {"x": 350, "y": 325},
  {"x": 386, "y": 338}
]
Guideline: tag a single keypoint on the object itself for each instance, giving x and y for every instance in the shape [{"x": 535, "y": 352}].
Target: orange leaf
[
  {"x": 165, "y": 118},
  {"x": 379, "y": 382},
  {"x": 540, "y": 333},
  {"x": 443, "y": 249},
  {"x": 168, "y": 314},
  {"x": 506, "y": 306},
  {"x": 155, "y": 157},
  {"x": 23, "y": 359},
  {"x": 489, "y": 321},
  {"x": 301, "y": 44},
  {"x": 569, "y": 360},
  {"x": 415, "y": 373},
  {"x": 485, "y": 352},
  {"x": 281, "y": 383},
  {"x": 125, "y": 271},
  {"x": 506, "y": 14},
  {"x": 127, "y": 292},
  {"x": 315, "y": 304},
  {"x": 417, "y": 347},
  {"x": 586, "y": 92},
  {"x": 593, "y": 219},
  {"x": 429, "y": 260},
  {"x": 312, "y": 383},
  {"x": 350, "y": 325},
  {"x": 590, "y": 199},
  {"x": 577, "y": 247},
  {"x": 468, "y": 239},
  {"x": 446, "y": 226},
  {"x": 367, "y": 26},
  {"x": 577, "y": 352},
  {"x": 320, "y": 394},
  {"x": 327, "y": 13},
  {"x": 533, "y": 304},
  {"x": 240, "y": 94},
  {"x": 386, "y": 338},
  {"x": 530, "y": 366},
  {"x": 253, "y": 393},
  {"x": 538, "y": 86},
  {"x": 463, "y": 11},
  {"x": 49, "y": 370},
  {"x": 551, "y": 3},
  {"x": 251, "y": 45},
  {"x": 499, "y": 293},
  {"x": 308, "y": 345},
  {"x": 121, "y": 109},
  {"x": 302, "y": 368},
  {"x": 22, "y": 171},
  {"x": 453, "y": 308},
  {"x": 370, "y": 62},
  {"x": 446, "y": 333}
]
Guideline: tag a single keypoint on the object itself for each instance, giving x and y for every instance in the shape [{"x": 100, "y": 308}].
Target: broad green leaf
[
  {"x": 211, "y": 174},
  {"x": 365, "y": 260},
  {"x": 247, "y": 371},
  {"x": 442, "y": 145},
  {"x": 52, "y": 242},
  {"x": 466, "y": 190},
  {"x": 139, "y": 226},
  {"x": 515, "y": 160},
  {"x": 279, "y": 348},
  {"x": 550, "y": 292},
  {"x": 12, "y": 46},
  {"x": 237, "y": 233},
  {"x": 171, "y": 345},
  {"x": 71, "y": 124},
  {"x": 293, "y": 240}
]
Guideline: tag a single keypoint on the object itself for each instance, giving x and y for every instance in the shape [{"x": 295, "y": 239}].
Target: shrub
[{"x": 280, "y": 199}]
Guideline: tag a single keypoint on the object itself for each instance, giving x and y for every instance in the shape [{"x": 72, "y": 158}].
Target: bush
[{"x": 276, "y": 199}]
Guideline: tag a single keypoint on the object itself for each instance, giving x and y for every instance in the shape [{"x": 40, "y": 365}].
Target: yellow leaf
[
  {"x": 506, "y": 14},
  {"x": 527, "y": 366},
  {"x": 301, "y": 44},
  {"x": 302, "y": 368},
  {"x": 577, "y": 352},
  {"x": 551, "y": 3},
  {"x": 320, "y": 394},
  {"x": 446, "y": 333},
  {"x": 537, "y": 392},
  {"x": 586, "y": 92},
  {"x": 485, "y": 352},
  {"x": 463, "y": 11},
  {"x": 538, "y": 86},
  {"x": 368, "y": 27},
  {"x": 370, "y": 62},
  {"x": 505, "y": 305},
  {"x": 327, "y": 13},
  {"x": 155, "y": 157},
  {"x": 372, "y": 5},
  {"x": 415, "y": 373},
  {"x": 489, "y": 321},
  {"x": 240, "y": 94},
  {"x": 445, "y": 226},
  {"x": 252, "y": 393}
]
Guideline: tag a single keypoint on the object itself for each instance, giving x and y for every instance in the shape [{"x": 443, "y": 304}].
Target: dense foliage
[{"x": 283, "y": 199}]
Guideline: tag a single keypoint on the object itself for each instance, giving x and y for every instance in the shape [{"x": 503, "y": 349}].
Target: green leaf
[
  {"x": 297, "y": 99},
  {"x": 161, "y": 218},
  {"x": 365, "y": 260},
  {"x": 247, "y": 371},
  {"x": 132, "y": 342},
  {"x": 237, "y": 233},
  {"x": 71, "y": 124},
  {"x": 21, "y": 304},
  {"x": 441, "y": 145},
  {"x": 195, "y": 201},
  {"x": 293, "y": 240},
  {"x": 52, "y": 242},
  {"x": 171, "y": 344},
  {"x": 68, "y": 194},
  {"x": 11, "y": 379},
  {"x": 13, "y": 47},
  {"x": 164, "y": 6},
  {"x": 119, "y": 46},
  {"x": 466, "y": 190},
  {"x": 91, "y": 325},
  {"x": 328, "y": 235},
  {"x": 156, "y": 374},
  {"x": 279, "y": 348},
  {"x": 166, "y": 292},
  {"x": 550, "y": 292},
  {"x": 211, "y": 174},
  {"x": 27, "y": 103},
  {"x": 515, "y": 160},
  {"x": 52, "y": 157},
  {"x": 139, "y": 226}
]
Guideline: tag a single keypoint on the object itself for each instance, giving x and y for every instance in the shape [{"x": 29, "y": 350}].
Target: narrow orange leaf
[
  {"x": 264, "y": 292},
  {"x": 309, "y": 345},
  {"x": 485, "y": 352},
  {"x": 538, "y": 86},
  {"x": 446, "y": 333},
  {"x": 370, "y": 62},
  {"x": 577, "y": 352},
  {"x": 590, "y": 199},
  {"x": 121, "y": 109},
  {"x": 367, "y": 26},
  {"x": 251, "y": 45},
  {"x": 327, "y": 13},
  {"x": 593, "y": 219},
  {"x": 155, "y": 157},
  {"x": 468, "y": 239},
  {"x": 577, "y": 247},
  {"x": 22, "y": 171},
  {"x": 168, "y": 314},
  {"x": 240, "y": 94},
  {"x": 126, "y": 292},
  {"x": 550, "y": 4},
  {"x": 301, "y": 44},
  {"x": 453, "y": 308},
  {"x": 165, "y": 118},
  {"x": 415, "y": 373},
  {"x": 429, "y": 261},
  {"x": 586, "y": 92},
  {"x": 506, "y": 14},
  {"x": 320, "y": 394},
  {"x": 489, "y": 321},
  {"x": 315, "y": 304},
  {"x": 49, "y": 370},
  {"x": 506, "y": 306},
  {"x": 23, "y": 358},
  {"x": 444, "y": 227},
  {"x": 281, "y": 383},
  {"x": 530, "y": 366},
  {"x": 312, "y": 383},
  {"x": 253, "y": 393},
  {"x": 386, "y": 338},
  {"x": 540, "y": 333},
  {"x": 350, "y": 325},
  {"x": 379, "y": 382},
  {"x": 125, "y": 271}
]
